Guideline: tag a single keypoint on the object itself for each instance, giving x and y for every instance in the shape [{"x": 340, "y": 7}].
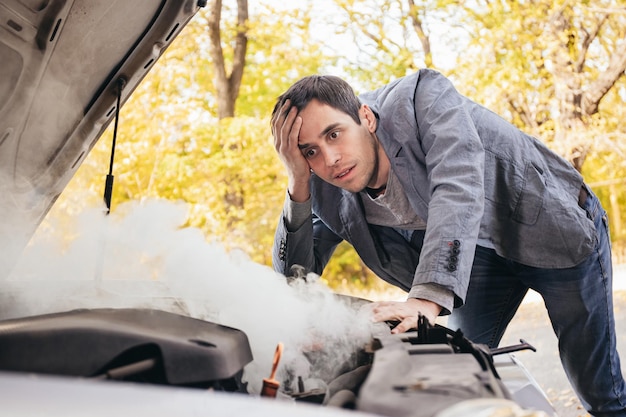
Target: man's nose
[{"x": 332, "y": 157}]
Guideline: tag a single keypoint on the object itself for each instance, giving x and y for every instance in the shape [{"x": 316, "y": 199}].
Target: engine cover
[
  {"x": 93, "y": 342},
  {"x": 423, "y": 379}
]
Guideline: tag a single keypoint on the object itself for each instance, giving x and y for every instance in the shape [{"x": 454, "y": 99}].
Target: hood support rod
[{"x": 108, "y": 187}]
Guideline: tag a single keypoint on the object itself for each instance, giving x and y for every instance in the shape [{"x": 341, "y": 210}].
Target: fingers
[
  {"x": 391, "y": 310},
  {"x": 409, "y": 323},
  {"x": 406, "y": 312},
  {"x": 285, "y": 128},
  {"x": 279, "y": 116}
]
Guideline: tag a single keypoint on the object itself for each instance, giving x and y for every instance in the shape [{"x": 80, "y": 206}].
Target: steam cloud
[{"x": 140, "y": 257}]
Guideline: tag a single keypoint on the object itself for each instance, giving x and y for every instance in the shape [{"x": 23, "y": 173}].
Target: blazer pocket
[{"x": 531, "y": 197}]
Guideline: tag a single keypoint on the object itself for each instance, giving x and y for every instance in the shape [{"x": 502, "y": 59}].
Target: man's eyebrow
[
  {"x": 324, "y": 132},
  {"x": 328, "y": 129}
]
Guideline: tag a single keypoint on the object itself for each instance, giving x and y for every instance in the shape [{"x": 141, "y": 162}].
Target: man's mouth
[{"x": 343, "y": 173}]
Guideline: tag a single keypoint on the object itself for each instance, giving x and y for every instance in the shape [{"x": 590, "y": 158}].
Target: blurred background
[{"x": 197, "y": 130}]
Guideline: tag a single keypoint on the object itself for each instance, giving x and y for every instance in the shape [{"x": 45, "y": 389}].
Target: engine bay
[{"x": 420, "y": 373}]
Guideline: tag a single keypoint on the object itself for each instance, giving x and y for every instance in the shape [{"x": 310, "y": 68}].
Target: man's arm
[
  {"x": 451, "y": 159},
  {"x": 302, "y": 239},
  {"x": 454, "y": 158}
]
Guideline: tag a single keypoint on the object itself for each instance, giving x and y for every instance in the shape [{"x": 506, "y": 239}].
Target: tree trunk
[
  {"x": 577, "y": 94},
  {"x": 227, "y": 85}
]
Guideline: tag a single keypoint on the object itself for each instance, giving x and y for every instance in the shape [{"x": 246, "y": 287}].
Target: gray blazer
[{"x": 469, "y": 174}]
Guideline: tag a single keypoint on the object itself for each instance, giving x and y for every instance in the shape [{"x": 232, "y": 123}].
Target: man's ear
[{"x": 368, "y": 118}]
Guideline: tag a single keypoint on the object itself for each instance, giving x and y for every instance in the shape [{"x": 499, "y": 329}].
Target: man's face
[{"x": 340, "y": 151}]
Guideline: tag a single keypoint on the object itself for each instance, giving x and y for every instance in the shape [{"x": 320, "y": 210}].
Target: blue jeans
[{"x": 580, "y": 306}]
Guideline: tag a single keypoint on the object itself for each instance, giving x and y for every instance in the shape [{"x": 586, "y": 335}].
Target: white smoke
[{"x": 139, "y": 256}]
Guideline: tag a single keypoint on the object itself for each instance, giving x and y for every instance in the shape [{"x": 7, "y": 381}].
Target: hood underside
[{"x": 61, "y": 64}]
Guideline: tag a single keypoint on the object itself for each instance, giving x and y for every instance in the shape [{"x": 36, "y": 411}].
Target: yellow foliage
[{"x": 171, "y": 145}]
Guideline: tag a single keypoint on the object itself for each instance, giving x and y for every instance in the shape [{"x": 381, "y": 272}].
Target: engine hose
[{"x": 343, "y": 399}]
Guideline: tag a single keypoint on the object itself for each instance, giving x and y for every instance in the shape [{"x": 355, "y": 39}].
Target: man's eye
[
  {"x": 334, "y": 135},
  {"x": 309, "y": 153}
]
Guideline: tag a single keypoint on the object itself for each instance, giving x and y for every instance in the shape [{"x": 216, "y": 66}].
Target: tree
[
  {"x": 394, "y": 37},
  {"x": 589, "y": 55},
  {"x": 227, "y": 85},
  {"x": 546, "y": 64}
]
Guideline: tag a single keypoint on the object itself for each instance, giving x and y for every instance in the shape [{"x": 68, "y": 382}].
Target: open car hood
[{"x": 61, "y": 62}]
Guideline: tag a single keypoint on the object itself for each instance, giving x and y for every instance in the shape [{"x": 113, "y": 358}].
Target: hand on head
[{"x": 286, "y": 126}]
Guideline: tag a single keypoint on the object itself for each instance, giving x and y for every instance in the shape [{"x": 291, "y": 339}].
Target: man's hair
[{"x": 328, "y": 89}]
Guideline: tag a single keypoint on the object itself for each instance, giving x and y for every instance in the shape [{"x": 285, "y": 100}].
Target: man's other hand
[{"x": 406, "y": 312}]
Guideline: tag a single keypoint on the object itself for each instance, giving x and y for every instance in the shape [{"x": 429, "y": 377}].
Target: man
[{"x": 448, "y": 201}]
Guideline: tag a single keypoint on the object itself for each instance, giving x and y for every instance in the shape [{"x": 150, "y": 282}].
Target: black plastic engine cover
[{"x": 86, "y": 342}]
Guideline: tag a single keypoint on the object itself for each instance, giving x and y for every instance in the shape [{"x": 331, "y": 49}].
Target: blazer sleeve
[
  {"x": 310, "y": 246},
  {"x": 454, "y": 159}
]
